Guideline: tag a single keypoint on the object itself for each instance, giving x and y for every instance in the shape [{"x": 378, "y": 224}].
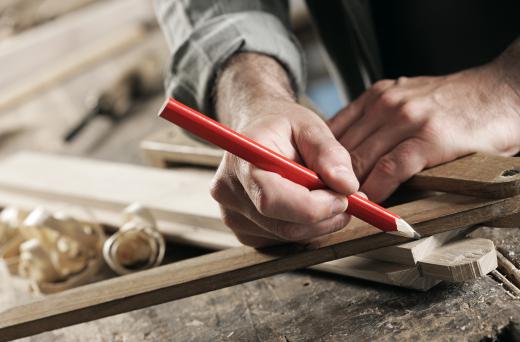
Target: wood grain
[
  {"x": 479, "y": 175},
  {"x": 460, "y": 260},
  {"x": 412, "y": 252},
  {"x": 234, "y": 266},
  {"x": 380, "y": 271}
]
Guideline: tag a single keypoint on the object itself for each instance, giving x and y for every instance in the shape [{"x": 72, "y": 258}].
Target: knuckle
[
  {"x": 402, "y": 80},
  {"x": 310, "y": 132},
  {"x": 432, "y": 129},
  {"x": 313, "y": 214},
  {"x": 389, "y": 99},
  {"x": 409, "y": 111},
  {"x": 262, "y": 200},
  {"x": 381, "y": 85},
  {"x": 217, "y": 187},
  {"x": 387, "y": 166},
  {"x": 409, "y": 157}
]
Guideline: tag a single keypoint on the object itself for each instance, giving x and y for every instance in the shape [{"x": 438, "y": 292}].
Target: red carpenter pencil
[{"x": 266, "y": 159}]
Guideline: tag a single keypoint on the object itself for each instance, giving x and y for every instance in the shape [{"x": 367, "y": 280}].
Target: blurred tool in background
[{"x": 141, "y": 80}]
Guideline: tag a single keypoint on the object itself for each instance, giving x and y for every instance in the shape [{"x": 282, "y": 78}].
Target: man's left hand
[{"x": 399, "y": 127}]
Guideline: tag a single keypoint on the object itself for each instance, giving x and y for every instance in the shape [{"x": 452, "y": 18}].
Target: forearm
[
  {"x": 245, "y": 79},
  {"x": 203, "y": 35}
]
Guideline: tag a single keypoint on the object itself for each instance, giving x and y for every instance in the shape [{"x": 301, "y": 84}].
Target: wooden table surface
[{"x": 298, "y": 306}]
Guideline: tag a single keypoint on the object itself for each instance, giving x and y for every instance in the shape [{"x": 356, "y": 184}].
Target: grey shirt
[
  {"x": 203, "y": 34},
  {"x": 367, "y": 40}
]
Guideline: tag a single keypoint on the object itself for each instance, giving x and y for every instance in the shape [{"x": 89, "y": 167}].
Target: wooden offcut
[{"x": 460, "y": 260}]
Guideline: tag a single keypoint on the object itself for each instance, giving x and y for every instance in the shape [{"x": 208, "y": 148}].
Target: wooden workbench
[
  {"x": 302, "y": 305},
  {"x": 299, "y": 306}
]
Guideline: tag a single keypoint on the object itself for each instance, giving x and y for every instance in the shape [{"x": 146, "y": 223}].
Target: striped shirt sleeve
[{"x": 203, "y": 34}]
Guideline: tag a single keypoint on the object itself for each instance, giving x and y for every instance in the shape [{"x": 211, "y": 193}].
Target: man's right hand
[{"x": 254, "y": 97}]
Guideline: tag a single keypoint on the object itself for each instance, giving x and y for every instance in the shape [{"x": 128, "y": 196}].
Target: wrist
[
  {"x": 506, "y": 90},
  {"x": 245, "y": 82},
  {"x": 507, "y": 67}
]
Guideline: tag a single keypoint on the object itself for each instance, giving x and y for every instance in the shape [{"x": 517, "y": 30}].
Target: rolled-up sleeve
[{"x": 203, "y": 34}]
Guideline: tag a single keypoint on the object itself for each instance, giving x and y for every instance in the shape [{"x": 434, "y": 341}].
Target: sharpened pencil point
[{"x": 404, "y": 229}]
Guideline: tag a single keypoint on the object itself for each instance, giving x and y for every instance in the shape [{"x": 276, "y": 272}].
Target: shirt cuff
[{"x": 196, "y": 61}]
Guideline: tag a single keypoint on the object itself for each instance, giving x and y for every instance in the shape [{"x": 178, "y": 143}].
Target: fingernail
[{"x": 339, "y": 205}]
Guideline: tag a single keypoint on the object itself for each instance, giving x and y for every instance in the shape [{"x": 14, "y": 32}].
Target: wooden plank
[
  {"x": 33, "y": 179},
  {"x": 29, "y": 180},
  {"x": 67, "y": 34},
  {"x": 511, "y": 221},
  {"x": 73, "y": 63},
  {"x": 67, "y": 45},
  {"x": 460, "y": 260},
  {"x": 481, "y": 175},
  {"x": 387, "y": 269},
  {"x": 25, "y": 14},
  {"x": 173, "y": 147},
  {"x": 234, "y": 266},
  {"x": 176, "y": 196}
]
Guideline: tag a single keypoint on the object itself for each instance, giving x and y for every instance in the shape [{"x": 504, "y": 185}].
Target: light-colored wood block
[
  {"x": 412, "y": 252},
  {"x": 380, "y": 271},
  {"x": 461, "y": 260}
]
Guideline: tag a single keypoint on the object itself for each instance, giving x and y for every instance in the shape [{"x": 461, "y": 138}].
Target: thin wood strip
[
  {"x": 480, "y": 175},
  {"x": 508, "y": 268},
  {"x": 234, "y": 266},
  {"x": 509, "y": 285}
]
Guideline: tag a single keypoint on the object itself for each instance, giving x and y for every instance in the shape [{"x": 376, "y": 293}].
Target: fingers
[
  {"x": 407, "y": 159},
  {"x": 289, "y": 231},
  {"x": 277, "y": 230},
  {"x": 345, "y": 117},
  {"x": 377, "y": 112},
  {"x": 356, "y": 109},
  {"x": 246, "y": 231},
  {"x": 376, "y": 145},
  {"x": 323, "y": 154},
  {"x": 276, "y": 197},
  {"x": 274, "y": 208}
]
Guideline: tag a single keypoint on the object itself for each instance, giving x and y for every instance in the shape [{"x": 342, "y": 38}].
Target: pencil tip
[{"x": 404, "y": 229}]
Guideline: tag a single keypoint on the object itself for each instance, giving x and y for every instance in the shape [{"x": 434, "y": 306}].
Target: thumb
[{"x": 323, "y": 154}]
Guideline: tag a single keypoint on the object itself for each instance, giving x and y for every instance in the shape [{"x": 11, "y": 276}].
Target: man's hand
[
  {"x": 398, "y": 127},
  {"x": 254, "y": 97}
]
